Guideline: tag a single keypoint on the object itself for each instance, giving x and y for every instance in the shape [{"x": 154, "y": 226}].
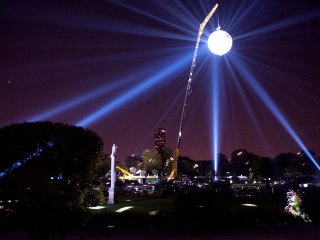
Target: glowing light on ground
[
  {"x": 152, "y": 213},
  {"x": 249, "y": 205},
  {"x": 120, "y": 210},
  {"x": 97, "y": 207}
]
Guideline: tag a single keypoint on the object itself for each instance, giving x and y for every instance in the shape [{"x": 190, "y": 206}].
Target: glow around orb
[{"x": 219, "y": 42}]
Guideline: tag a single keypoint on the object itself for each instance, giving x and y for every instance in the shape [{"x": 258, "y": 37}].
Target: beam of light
[
  {"x": 271, "y": 105},
  {"x": 145, "y": 30},
  {"x": 84, "y": 98},
  {"x": 132, "y": 93},
  {"x": 242, "y": 12},
  {"x": 125, "y": 20},
  {"x": 278, "y": 88},
  {"x": 252, "y": 115},
  {"x": 279, "y": 25},
  {"x": 215, "y": 113},
  {"x": 102, "y": 90}
]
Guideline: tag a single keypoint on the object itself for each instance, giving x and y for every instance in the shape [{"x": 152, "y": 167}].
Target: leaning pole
[
  {"x": 174, "y": 170},
  {"x": 111, "y": 199}
]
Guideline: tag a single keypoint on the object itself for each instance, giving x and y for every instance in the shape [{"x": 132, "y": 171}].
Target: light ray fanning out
[
  {"x": 278, "y": 25},
  {"x": 134, "y": 92},
  {"x": 103, "y": 90},
  {"x": 271, "y": 105}
]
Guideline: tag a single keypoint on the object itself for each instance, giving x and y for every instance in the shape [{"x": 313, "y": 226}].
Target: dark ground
[
  {"x": 303, "y": 232},
  {"x": 194, "y": 215}
]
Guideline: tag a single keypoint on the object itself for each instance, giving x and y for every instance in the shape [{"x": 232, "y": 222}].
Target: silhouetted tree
[
  {"x": 241, "y": 162},
  {"x": 166, "y": 158},
  {"x": 262, "y": 167},
  {"x": 224, "y": 166},
  {"x": 186, "y": 166},
  {"x": 205, "y": 168},
  {"x": 304, "y": 162},
  {"x": 285, "y": 165},
  {"x": 51, "y": 169}
]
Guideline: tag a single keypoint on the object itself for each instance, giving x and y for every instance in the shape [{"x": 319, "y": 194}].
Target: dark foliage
[{"x": 49, "y": 169}]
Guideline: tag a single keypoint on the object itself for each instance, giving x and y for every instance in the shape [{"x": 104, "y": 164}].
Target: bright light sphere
[{"x": 219, "y": 42}]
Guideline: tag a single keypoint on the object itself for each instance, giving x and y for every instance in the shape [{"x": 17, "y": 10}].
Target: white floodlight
[{"x": 219, "y": 42}]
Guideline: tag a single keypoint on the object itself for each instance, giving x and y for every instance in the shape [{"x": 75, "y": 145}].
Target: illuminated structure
[
  {"x": 160, "y": 138},
  {"x": 220, "y": 42},
  {"x": 111, "y": 199},
  {"x": 217, "y": 43}
]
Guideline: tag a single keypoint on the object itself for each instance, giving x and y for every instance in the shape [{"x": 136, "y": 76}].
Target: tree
[
  {"x": 152, "y": 160},
  {"x": 305, "y": 164},
  {"x": 262, "y": 167},
  {"x": 239, "y": 162},
  {"x": 50, "y": 168},
  {"x": 224, "y": 166},
  {"x": 285, "y": 163},
  {"x": 159, "y": 160},
  {"x": 134, "y": 160},
  {"x": 205, "y": 168},
  {"x": 186, "y": 166},
  {"x": 166, "y": 158}
]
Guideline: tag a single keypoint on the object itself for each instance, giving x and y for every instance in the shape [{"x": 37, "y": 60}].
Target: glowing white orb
[{"x": 219, "y": 42}]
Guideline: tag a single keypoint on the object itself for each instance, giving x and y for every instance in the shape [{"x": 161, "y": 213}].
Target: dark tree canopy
[{"x": 49, "y": 162}]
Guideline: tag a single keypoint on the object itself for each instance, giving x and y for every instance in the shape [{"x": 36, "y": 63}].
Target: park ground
[{"x": 145, "y": 217}]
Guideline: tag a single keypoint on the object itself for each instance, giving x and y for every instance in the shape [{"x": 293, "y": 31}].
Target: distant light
[{"x": 219, "y": 42}]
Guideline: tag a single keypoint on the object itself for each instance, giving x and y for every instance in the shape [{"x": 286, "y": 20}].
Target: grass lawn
[{"x": 190, "y": 212}]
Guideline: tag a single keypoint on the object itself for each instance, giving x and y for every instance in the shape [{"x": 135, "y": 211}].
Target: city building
[{"x": 159, "y": 138}]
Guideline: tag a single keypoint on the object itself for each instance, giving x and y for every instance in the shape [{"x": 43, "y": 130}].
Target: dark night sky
[{"x": 120, "y": 68}]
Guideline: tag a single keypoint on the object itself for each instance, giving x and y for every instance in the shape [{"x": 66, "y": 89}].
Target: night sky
[{"x": 120, "y": 68}]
